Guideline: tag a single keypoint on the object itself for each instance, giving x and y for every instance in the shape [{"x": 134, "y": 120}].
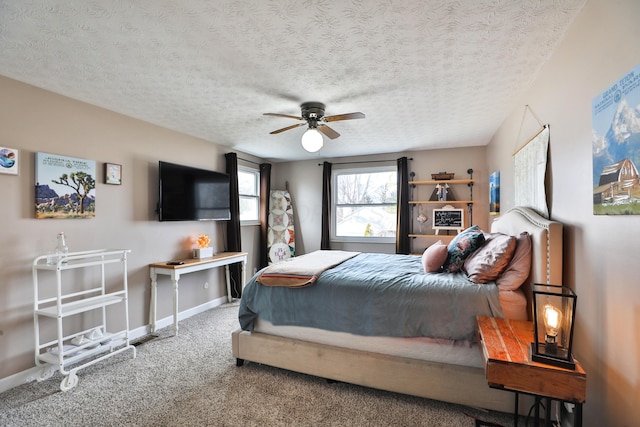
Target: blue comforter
[{"x": 377, "y": 295}]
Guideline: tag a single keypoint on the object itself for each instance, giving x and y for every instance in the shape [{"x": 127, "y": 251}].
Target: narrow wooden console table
[{"x": 177, "y": 268}]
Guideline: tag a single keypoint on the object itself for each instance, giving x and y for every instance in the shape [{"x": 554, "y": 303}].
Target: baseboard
[
  {"x": 30, "y": 374},
  {"x": 168, "y": 321}
]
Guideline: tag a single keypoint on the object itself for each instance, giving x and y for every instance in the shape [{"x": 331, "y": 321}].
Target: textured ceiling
[{"x": 427, "y": 74}]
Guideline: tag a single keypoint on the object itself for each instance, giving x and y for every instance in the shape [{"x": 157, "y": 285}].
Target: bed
[{"x": 432, "y": 362}]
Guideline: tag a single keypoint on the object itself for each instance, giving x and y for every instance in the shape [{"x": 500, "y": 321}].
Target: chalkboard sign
[{"x": 448, "y": 219}]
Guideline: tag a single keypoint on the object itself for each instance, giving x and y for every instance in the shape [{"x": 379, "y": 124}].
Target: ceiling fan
[{"x": 313, "y": 116}]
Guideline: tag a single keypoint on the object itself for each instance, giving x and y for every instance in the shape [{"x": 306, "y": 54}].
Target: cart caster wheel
[
  {"x": 45, "y": 373},
  {"x": 69, "y": 382}
]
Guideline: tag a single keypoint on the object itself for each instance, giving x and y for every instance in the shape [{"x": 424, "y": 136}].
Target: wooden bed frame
[{"x": 440, "y": 381}]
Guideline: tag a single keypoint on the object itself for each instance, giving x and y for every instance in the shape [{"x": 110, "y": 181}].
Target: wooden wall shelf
[
  {"x": 443, "y": 181},
  {"x": 440, "y": 202},
  {"x": 429, "y": 236}
]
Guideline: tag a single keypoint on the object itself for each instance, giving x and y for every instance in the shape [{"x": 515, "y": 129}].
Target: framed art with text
[
  {"x": 65, "y": 187},
  {"x": 448, "y": 219},
  {"x": 616, "y": 147}
]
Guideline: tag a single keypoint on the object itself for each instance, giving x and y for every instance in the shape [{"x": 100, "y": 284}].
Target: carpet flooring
[{"x": 192, "y": 380}]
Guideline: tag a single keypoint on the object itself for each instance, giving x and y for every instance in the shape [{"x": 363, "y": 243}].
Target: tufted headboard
[{"x": 546, "y": 240}]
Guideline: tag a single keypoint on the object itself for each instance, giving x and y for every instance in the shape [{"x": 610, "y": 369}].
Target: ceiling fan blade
[
  {"x": 349, "y": 116},
  {"x": 328, "y": 131},
  {"x": 287, "y": 128},
  {"x": 282, "y": 115}
]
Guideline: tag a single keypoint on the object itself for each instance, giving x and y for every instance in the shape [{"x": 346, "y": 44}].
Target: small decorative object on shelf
[
  {"x": 422, "y": 218},
  {"x": 203, "y": 250},
  {"x": 61, "y": 250},
  {"x": 554, "y": 310},
  {"x": 441, "y": 176},
  {"x": 442, "y": 190}
]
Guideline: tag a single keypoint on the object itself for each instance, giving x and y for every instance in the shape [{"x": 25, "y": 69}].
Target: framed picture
[
  {"x": 65, "y": 187},
  {"x": 9, "y": 161},
  {"x": 112, "y": 174},
  {"x": 448, "y": 219},
  {"x": 616, "y": 147},
  {"x": 494, "y": 193}
]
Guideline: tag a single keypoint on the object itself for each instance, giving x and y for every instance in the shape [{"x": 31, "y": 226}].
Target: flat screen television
[{"x": 192, "y": 194}]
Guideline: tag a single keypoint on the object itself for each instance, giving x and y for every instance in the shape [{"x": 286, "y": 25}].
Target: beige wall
[
  {"x": 33, "y": 120},
  {"x": 601, "y": 252},
  {"x": 305, "y": 184}
]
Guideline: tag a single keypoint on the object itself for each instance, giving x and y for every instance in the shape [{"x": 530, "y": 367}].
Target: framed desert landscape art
[{"x": 65, "y": 187}]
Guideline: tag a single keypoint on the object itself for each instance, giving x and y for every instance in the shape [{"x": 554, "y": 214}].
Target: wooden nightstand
[{"x": 505, "y": 349}]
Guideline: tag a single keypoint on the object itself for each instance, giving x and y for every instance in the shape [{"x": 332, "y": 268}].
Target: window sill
[
  {"x": 249, "y": 223},
  {"x": 371, "y": 240}
]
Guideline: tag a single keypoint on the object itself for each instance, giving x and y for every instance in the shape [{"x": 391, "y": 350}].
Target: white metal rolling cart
[{"x": 71, "y": 303}]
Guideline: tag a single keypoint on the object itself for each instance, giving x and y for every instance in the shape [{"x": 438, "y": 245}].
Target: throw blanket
[
  {"x": 377, "y": 295},
  {"x": 303, "y": 270}
]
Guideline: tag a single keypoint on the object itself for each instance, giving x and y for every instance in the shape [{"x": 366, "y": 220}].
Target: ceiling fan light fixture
[{"x": 312, "y": 140}]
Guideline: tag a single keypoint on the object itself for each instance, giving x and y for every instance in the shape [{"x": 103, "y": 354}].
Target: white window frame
[
  {"x": 334, "y": 204},
  {"x": 256, "y": 196}
]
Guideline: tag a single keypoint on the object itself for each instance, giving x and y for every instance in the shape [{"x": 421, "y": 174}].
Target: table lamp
[{"x": 554, "y": 309}]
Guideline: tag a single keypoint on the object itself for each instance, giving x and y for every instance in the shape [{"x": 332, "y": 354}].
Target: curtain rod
[
  {"x": 249, "y": 161},
  {"x": 364, "y": 161}
]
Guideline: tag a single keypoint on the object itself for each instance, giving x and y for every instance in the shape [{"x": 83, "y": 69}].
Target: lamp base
[{"x": 539, "y": 357}]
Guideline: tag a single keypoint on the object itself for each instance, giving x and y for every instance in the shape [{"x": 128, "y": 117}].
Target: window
[
  {"x": 249, "y": 189},
  {"x": 364, "y": 204}
]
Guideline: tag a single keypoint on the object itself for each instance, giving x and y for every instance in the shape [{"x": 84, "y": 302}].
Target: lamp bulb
[
  {"x": 312, "y": 140},
  {"x": 552, "y": 320}
]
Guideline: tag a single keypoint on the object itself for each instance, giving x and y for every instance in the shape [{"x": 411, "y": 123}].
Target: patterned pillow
[
  {"x": 434, "y": 256},
  {"x": 461, "y": 247},
  {"x": 487, "y": 263}
]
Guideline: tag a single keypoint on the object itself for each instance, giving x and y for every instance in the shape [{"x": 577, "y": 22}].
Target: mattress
[
  {"x": 376, "y": 295},
  {"x": 461, "y": 353}
]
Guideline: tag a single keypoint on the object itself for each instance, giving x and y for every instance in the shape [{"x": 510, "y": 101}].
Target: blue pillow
[{"x": 463, "y": 245}]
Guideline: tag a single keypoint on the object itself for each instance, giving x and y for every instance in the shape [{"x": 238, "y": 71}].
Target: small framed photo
[
  {"x": 112, "y": 174},
  {"x": 9, "y": 161}
]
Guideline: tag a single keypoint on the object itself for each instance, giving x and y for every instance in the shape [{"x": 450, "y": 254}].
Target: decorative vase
[{"x": 200, "y": 253}]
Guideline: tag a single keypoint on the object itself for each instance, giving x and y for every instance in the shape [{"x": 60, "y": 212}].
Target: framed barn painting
[{"x": 616, "y": 147}]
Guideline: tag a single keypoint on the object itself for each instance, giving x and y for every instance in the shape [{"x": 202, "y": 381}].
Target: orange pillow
[{"x": 434, "y": 257}]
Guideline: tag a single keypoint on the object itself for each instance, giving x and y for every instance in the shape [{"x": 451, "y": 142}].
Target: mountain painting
[
  {"x": 65, "y": 187},
  {"x": 616, "y": 147}
]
